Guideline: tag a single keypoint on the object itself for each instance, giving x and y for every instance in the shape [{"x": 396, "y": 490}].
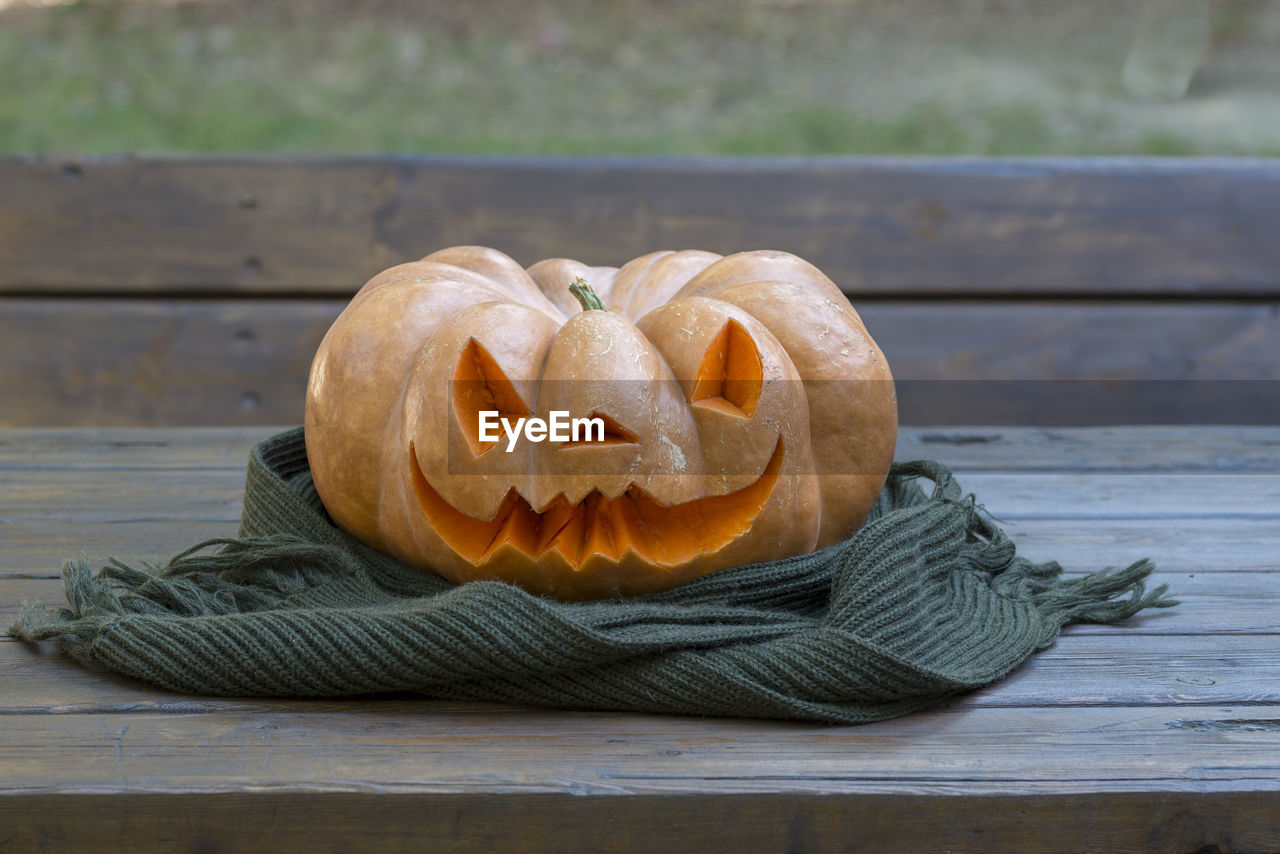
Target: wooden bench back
[{"x": 194, "y": 290}]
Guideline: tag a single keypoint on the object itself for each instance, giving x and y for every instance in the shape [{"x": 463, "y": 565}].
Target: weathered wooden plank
[
  {"x": 1046, "y": 340},
  {"x": 1163, "y": 732},
  {"x": 1128, "y": 495},
  {"x": 1084, "y": 403},
  {"x": 1212, "y": 603},
  {"x": 1055, "y": 363},
  {"x": 76, "y": 508},
  {"x": 142, "y": 362},
  {"x": 71, "y": 497},
  {"x": 1208, "y": 448},
  {"x": 141, "y": 448},
  {"x": 472, "y": 750},
  {"x": 86, "y": 496},
  {"x": 38, "y": 546},
  {"x": 1176, "y": 545},
  {"x": 387, "y": 822},
  {"x": 890, "y": 226},
  {"x": 1116, "y": 669},
  {"x": 228, "y": 362},
  {"x": 1119, "y": 448}
]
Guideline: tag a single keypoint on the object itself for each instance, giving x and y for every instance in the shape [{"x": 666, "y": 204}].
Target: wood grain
[
  {"x": 216, "y": 495},
  {"x": 475, "y": 749},
  {"x": 1162, "y": 734},
  {"x": 1107, "y": 227},
  {"x": 1148, "y": 448},
  {"x": 1184, "y": 497},
  {"x": 135, "y": 448},
  {"x": 164, "y": 494},
  {"x": 1158, "y": 667},
  {"x": 38, "y": 546},
  {"x": 1217, "y": 448},
  {"x": 387, "y": 822},
  {"x": 226, "y": 362},
  {"x": 144, "y": 362}
]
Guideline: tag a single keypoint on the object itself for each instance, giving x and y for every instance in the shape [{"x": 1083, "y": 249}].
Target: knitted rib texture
[{"x": 927, "y": 600}]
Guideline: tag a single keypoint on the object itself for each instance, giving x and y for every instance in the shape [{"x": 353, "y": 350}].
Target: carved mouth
[{"x": 661, "y": 534}]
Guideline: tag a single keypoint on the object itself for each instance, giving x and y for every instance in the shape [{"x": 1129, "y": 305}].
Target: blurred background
[{"x": 1163, "y": 77}]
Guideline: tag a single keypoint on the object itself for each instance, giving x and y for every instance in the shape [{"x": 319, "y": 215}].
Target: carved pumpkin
[{"x": 744, "y": 414}]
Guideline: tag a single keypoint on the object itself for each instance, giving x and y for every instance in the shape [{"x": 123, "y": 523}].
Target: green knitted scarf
[{"x": 927, "y": 600}]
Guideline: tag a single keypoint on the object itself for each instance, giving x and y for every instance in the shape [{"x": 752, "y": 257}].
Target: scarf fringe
[
  {"x": 265, "y": 573},
  {"x": 241, "y": 576},
  {"x": 1093, "y": 598}
]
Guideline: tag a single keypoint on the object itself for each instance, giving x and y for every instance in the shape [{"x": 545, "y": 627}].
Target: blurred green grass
[{"x": 627, "y": 77}]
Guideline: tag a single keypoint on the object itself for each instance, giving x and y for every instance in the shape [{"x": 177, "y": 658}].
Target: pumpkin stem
[{"x": 586, "y": 296}]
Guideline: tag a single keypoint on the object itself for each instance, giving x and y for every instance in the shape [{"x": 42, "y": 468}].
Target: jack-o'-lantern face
[
  {"x": 601, "y": 476},
  {"x": 517, "y": 435}
]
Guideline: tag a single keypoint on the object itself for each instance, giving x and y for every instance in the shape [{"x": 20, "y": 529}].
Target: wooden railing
[{"x": 194, "y": 290}]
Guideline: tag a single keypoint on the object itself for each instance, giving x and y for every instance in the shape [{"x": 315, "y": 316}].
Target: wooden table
[{"x": 1162, "y": 734}]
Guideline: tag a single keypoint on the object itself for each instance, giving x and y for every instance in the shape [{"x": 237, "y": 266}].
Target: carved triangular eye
[
  {"x": 731, "y": 373},
  {"x": 592, "y": 436},
  {"x": 479, "y": 385}
]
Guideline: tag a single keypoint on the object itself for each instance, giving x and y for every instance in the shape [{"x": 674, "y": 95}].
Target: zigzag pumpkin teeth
[
  {"x": 556, "y": 524},
  {"x": 518, "y": 526},
  {"x": 601, "y": 526}
]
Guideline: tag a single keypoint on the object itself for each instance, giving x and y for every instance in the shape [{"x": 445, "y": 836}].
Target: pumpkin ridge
[
  {"x": 500, "y": 271},
  {"x": 424, "y": 274}
]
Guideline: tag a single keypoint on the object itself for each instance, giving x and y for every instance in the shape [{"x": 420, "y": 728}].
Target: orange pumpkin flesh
[
  {"x": 747, "y": 415},
  {"x": 598, "y": 526},
  {"x": 729, "y": 376}
]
